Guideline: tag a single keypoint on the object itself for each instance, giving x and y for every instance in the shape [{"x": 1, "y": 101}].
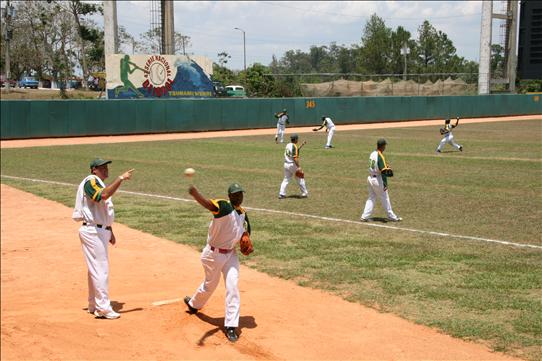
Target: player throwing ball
[
  {"x": 282, "y": 120},
  {"x": 379, "y": 171},
  {"x": 293, "y": 168},
  {"x": 448, "y": 136},
  {"x": 229, "y": 224}
]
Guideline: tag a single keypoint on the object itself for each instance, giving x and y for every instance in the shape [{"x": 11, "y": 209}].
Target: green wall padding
[{"x": 62, "y": 118}]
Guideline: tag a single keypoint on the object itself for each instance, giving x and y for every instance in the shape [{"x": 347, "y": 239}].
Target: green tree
[
  {"x": 44, "y": 42},
  {"x": 150, "y": 42},
  {"x": 221, "y": 73},
  {"x": 126, "y": 41},
  {"x": 259, "y": 81},
  {"x": 435, "y": 51},
  {"x": 401, "y": 38},
  {"x": 296, "y": 61},
  {"x": 85, "y": 34},
  {"x": 375, "y": 52}
]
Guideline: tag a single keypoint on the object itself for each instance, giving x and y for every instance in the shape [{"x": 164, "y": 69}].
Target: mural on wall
[{"x": 158, "y": 76}]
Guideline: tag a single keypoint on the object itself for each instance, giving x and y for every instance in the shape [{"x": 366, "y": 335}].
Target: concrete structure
[
  {"x": 485, "y": 48},
  {"x": 168, "y": 28},
  {"x": 110, "y": 27}
]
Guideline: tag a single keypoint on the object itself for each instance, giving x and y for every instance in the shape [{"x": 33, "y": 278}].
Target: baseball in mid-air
[{"x": 189, "y": 172}]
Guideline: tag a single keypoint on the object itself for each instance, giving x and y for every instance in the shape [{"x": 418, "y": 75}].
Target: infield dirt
[{"x": 44, "y": 301}]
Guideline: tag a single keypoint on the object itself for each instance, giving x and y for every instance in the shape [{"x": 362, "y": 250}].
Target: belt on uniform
[
  {"x": 97, "y": 225},
  {"x": 221, "y": 250},
  {"x": 374, "y": 176}
]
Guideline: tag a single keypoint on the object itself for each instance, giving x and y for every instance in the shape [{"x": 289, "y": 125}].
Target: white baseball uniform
[
  {"x": 448, "y": 138},
  {"x": 330, "y": 129},
  {"x": 219, "y": 256},
  {"x": 378, "y": 186},
  {"x": 290, "y": 153},
  {"x": 95, "y": 233},
  {"x": 281, "y": 127}
]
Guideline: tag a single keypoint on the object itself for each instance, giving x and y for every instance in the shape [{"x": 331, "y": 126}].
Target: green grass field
[{"x": 471, "y": 289}]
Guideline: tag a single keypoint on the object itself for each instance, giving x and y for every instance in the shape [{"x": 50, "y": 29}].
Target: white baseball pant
[
  {"x": 330, "y": 133},
  {"x": 376, "y": 189},
  {"x": 289, "y": 172},
  {"x": 215, "y": 263},
  {"x": 94, "y": 242},
  {"x": 281, "y": 128},
  {"x": 449, "y": 138}
]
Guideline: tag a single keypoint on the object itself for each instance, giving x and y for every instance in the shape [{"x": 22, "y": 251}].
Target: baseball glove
[
  {"x": 246, "y": 244},
  {"x": 299, "y": 173},
  {"x": 388, "y": 172},
  {"x": 442, "y": 131}
]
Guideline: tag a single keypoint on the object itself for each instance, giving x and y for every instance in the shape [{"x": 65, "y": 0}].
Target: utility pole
[
  {"x": 244, "y": 49},
  {"x": 8, "y": 34},
  {"x": 405, "y": 50}
]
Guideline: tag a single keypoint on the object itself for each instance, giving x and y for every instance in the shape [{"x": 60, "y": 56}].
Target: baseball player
[
  {"x": 219, "y": 255},
  {"x": 292, "y": 167},
  {"x": 94, "y": 206},
  {"x": 330, "y": 129},
  {"x": 448, "y": 136},
  {"x": 379, "y": 171},
  {"x": 282, "y": 121}
]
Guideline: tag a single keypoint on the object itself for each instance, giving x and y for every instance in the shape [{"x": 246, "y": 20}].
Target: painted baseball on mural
[{"x": 157, "y": 74}]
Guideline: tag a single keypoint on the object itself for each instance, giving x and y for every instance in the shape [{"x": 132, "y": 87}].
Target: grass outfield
[{"x": 470, "y": 289}]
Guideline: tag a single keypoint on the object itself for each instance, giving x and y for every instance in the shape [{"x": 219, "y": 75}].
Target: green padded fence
[{"x": 62, "y": 118}]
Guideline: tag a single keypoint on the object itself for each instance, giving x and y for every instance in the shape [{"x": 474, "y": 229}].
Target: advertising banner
[{"x": 158, "y": 76}]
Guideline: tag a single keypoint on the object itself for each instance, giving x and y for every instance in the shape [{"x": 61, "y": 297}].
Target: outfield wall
[{"x": 62, "y": 118}]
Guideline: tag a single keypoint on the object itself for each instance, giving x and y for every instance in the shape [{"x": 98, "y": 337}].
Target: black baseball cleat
[
  {"x": 460, "y": 148},
  {"x": 231, "y": 335},
  {"x": 191, "y": 310}
]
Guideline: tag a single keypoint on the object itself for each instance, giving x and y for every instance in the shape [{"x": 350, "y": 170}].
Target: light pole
[
  {"x": 244, "y": 48},
  {"x": 405, "y": 50}
]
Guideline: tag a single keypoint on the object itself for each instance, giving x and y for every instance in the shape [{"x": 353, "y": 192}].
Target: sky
[{"x": 274, "y": 27}]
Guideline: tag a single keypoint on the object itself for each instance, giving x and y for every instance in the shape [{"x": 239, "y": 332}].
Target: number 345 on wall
[{"x": 310, "y": 104}]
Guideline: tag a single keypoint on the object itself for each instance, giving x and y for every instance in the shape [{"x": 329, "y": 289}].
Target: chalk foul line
[{"x": 331, "y": 219}]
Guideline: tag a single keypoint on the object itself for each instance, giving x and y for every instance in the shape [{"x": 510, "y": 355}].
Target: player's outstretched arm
[
  {"x": 205, "y": 203},
  {"x": 112, "y": 188},
  {"x": 456, "y": 121}
]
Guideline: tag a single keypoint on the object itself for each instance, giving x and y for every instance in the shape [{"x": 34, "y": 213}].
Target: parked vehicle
[
  {"x": 236, "y": 91},
  {"x": 28, "y": 82},
  {"x": 220, "y": 90},
  {"x": 4, "y": 81}
]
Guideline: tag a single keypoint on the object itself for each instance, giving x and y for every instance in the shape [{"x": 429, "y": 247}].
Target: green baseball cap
[
  {"x": 98, "y": 162},
  {"x": 234, "y": 188}
]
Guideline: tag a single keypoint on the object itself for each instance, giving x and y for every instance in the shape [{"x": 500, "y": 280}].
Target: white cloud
[{"x": 273, "y": 27}]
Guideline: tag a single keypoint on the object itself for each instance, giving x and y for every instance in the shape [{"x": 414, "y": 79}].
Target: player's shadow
[
  {"x": 450, "y": 151},
  {"x": 119, "y": 307},
  {"x": 380, "y": 219},
  {"x": 295, "y": 196},
  {"x": 244, "y": 322}
]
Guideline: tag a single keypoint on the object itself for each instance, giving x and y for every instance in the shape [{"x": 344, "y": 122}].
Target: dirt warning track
[{"x": 44, "y": 299}]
